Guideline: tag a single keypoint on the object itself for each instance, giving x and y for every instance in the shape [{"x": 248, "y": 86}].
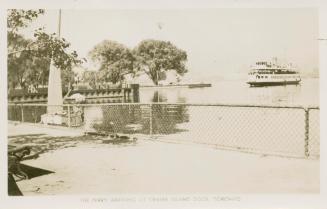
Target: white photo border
[{"x": 231, "y": 200}]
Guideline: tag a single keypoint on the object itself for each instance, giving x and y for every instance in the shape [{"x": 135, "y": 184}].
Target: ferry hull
[{"x": 275, "y": 83}]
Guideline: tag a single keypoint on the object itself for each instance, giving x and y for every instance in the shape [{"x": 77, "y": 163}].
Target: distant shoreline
[{"x": 191, "y": 85}]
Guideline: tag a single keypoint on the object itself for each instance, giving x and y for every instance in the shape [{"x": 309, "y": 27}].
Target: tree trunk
[{"x": 154, "y": 76}]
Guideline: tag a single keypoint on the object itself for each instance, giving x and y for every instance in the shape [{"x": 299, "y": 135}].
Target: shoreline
[{"x": 191, "y": 85}]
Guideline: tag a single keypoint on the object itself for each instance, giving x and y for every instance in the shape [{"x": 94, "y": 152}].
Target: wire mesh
[
  {"x": 265, "y": 130},
  {"x": 118, "y": 118},
  {"x": 14, "y": 113},
  {"x": 260, "y": 129},
  {"x": 314, "y": 133}
]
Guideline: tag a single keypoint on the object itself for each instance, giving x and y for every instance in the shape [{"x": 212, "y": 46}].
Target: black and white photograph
[{"x": 191, "y": 101}]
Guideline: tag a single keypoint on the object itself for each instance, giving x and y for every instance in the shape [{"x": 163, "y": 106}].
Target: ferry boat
[{"x": 271, "y": 73}]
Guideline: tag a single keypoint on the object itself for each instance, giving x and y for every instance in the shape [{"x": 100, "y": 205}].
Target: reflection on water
[
  {"x": 166, "y": 117},
  {"x": 162, "y": 96},
  {"x": 307, "y": 93},
  {"x": 169, "y": 119},
  {"x": 136, "y": 118},
  {"x": 114, "y": 119},
  {"x": 158, "y": 97}
]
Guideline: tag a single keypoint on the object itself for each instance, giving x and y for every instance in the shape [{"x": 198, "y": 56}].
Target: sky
[{"x": 219, "y": 42}]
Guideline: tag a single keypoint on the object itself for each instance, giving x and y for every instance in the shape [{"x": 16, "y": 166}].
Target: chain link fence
[
  {"x": 314, "y": 133},
  {"x": 276, "y": 130}
]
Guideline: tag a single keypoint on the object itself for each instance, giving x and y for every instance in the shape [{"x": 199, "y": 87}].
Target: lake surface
[
  {"x": 261, "y": 130},
  {"x": 237, "y": 91},
  {"x": 266, "y": 130}
]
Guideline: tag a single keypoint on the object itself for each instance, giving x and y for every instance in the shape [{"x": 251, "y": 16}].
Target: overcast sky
[{"x": 217, "y": 41}]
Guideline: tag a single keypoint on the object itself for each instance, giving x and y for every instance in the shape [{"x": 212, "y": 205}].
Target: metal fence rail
[{"x": 277, "y": 130}]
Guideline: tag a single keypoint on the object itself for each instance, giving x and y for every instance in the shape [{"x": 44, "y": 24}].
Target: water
[
  {"x": 268, "y": 130},
  {"x": 237, "y": 91}
]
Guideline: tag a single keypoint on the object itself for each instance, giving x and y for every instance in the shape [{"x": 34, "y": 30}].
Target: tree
[
  {"x": 29, "y": 60},
  {"x": 114, "y": 59},
  {"x": 24, "y": 68},
  {"x": 50, "y": 47},
  {"x": 19, "y": 59},
  {"x": 156, "y": 57},
  {"x": 21, "y": 18},
  {"x": 90, "y": 77}
]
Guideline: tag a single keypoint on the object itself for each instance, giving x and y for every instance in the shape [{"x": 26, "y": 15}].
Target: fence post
[
  {"x": 306, "y": 132},
  {"x": 22, "y": 112},
  {"x": 151, "y": 120},
  {"x": 35, "y": 114},
  {"x": 69, "y": 116}
]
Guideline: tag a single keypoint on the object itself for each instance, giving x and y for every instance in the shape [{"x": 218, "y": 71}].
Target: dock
[{"x": 190, "y": 85}]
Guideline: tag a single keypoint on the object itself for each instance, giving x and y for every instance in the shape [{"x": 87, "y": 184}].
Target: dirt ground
[{"x": 84, "y": 165}]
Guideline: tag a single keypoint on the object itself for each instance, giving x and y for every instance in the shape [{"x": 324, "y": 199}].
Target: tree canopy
[
  {"x": 29, "y": 60},
  {"x": 90, "y": 77},
  {"x": 21, "y": 18},
  {"x": 24, "y": 68},
  {"x": 115, "y": 60},
  {"x": 156, "y": 57},
  {"x": 152, "y": 57},
  {"x": 51, "y": 47}
]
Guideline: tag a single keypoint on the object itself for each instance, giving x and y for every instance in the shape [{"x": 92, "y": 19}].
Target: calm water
[
  {"x": 237, "y": 91},
  {"x": 261, "y": 129},
  {"x": 221, "y": 92}
]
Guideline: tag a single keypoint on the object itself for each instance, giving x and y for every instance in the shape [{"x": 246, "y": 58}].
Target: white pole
[
  {"x": 55, "y": 100},
  {"x": 59, "y": 24}
]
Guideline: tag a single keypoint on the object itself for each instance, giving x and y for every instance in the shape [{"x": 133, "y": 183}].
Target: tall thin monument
[{"x": 55, "y": 99}]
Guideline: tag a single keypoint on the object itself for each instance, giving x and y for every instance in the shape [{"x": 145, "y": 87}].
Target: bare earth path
[{"x": 150, "y": 166}]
